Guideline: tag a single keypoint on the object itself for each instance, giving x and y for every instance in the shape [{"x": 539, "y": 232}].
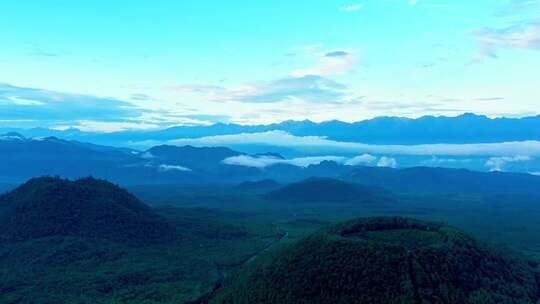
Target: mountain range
[
  {"x": 22, "y": 158},
  {"x": 466, "y": 128}
]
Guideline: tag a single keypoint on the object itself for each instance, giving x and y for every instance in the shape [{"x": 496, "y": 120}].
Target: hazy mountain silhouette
[
  {"x": 259, "y": 185},
  {"x": 322, "y": 190},
  {"x": 427, "y": 179},
  {"x": 23, "y": 158},
  {"x": 466, "y": 128}
]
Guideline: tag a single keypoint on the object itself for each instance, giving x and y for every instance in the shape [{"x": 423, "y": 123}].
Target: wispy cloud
[
  {"x": 337, "y": 54},
  {"x": 364, "y": 159},
  {"x": 31, "y": 107},
  {"x": 41, "y": 53},
  {"x": 329, "y": 63},
  {"x": 498, "y": 163},
  {"x": 352, "y": 7},
  {"x": 490, "y": 99},
  {"x": 524, "y": 35},
  {"x": 308, "y": 88},
  {"x": 198, "y": 88},
  {"x": 50, "y": 107},
  {"x": 168, "y": 168}
]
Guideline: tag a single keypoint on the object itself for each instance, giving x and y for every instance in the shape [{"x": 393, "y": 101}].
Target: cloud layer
[
  {"x": 266, "y": 161},
  {"x": 322, "y": 144}
]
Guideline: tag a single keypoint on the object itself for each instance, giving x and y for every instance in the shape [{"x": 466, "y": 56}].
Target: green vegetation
[
  {"x": 88, "y": 241},
  {"x": 90, "y": 208},
  {"x": 218, "y": 231},
  {"x": 384, "y": 260}
]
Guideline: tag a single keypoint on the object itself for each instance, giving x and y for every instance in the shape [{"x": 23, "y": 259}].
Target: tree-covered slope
[
  {"x": 384, "y": 260},
  {"x": 89, "y": 208}
]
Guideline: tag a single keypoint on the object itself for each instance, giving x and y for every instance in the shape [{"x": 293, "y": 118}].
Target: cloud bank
[
  {"x": 322, "y": 144},
  {"x": 267, "y": 161}
]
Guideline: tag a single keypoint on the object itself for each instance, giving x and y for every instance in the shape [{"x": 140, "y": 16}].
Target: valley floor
[{"x": 222, "y": 229}]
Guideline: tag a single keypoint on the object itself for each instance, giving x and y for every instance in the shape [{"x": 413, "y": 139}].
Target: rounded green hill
[
  {"x": 88, "y": 208},
  {"x": 322, "y": 190},
  {"x": 384, "y": 260}
]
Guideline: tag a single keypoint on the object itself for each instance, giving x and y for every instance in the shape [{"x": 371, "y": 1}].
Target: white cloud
[
  {"x": 322, "y": 144},
  {"x": 167, "y": 168},
  {"x": 535, "y": 173},
  {"x": 498, "y": 163},
  {"x": 525, "y": 35},
  {"x": 364, "y": 159},
  {"x": 309, "y": 87},
  {"x": 25, "y": 101},
  {"x": 330, "y": 65},
  {"x": 266, "y": 161},
  {"x": 352, "y": 7},
  {"x": 49, "y": 108},
  {"x": 387, "y": 162}
]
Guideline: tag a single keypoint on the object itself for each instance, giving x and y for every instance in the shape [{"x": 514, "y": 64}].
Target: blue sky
[{"x": 111, "y": 65}]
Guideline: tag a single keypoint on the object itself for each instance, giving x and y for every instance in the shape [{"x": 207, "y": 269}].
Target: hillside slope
[
  {"x": 88, "y": 208},
  {"x": 385, "y": 260}
]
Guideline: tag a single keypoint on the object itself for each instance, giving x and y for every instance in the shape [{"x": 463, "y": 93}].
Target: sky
[{"x": 101, "y": 65}]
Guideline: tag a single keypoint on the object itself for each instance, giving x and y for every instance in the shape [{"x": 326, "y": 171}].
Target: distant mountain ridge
[
  {"x": 426, "y": 179},
  {"x": 24, "y": 158},
  {"x": 466, "y": 128}
]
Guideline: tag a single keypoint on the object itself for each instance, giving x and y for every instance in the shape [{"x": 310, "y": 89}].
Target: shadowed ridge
[
  {"x": 264, "y": 184},
  {"x": 321, "y": 190}
]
